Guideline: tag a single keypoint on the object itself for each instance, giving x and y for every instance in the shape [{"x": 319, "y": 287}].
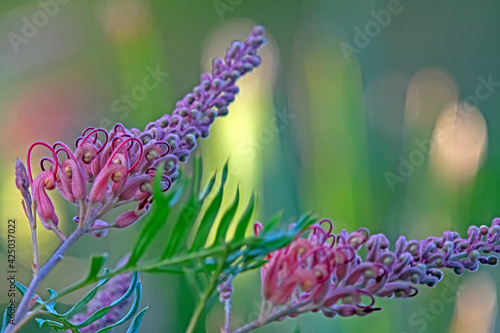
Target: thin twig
[
  {"x": 51, "y": 263},
  {"x": 228, "y": 307},
  {"x": 276, "y": 316},
  {"x": 56, "y": 230},
  {"x": 208, "y": 291},
  {"x": 31, "y": 215}
]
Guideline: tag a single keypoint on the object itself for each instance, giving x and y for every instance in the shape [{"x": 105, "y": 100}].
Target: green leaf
[
  {"x": 22, "y": 289},
  {"x": 274, "y": 221},
  {"x": 5, "y": 319},
  {"x": 186, "y": 218},
  {"x": 226, "y": 220},
  {"x": 131, "y": 312},
  {"x": 102, "y": 311},
  {"x": 96, "y": 263},
  {"x": 197, "y": 174},
  {"x": 185, "y": 222},
  {"x": 208, "y": 188},
  {"x": 179, "y": 190},
  {"x": 136, "y": 323},
  {"x": 242, "y": 226},
  {"x": 50, "y": 306},
  {"x": 82, "y": 302},
  {"x": 156, "y": 219},
  {"x": 52, "y": 324},
  {"x": 302, "y": 223},
  {"x": 210, "y": 214}
]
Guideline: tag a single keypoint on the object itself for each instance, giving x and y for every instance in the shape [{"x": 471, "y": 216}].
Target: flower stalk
[{"x": 108, "y": 169}]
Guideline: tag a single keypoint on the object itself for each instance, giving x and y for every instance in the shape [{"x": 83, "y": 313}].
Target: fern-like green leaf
[
  {"x": 226, "y": 220},
  {"x": 210, "y": 215},
  {"x": 245, "y": 220}
]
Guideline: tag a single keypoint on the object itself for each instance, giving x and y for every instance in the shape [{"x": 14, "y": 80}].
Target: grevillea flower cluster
[
  {"x": 107, "y": 169},
  {"x": 324, "y": 272},
  {"x": 115, "y": 288}
]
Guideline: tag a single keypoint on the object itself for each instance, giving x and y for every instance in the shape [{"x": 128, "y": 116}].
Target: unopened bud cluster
[
  {"x": 324, "y": 272},
  {"x": 110, "y": 169}
]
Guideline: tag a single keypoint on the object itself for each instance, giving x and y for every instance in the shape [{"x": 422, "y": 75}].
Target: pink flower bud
[
  {"x": 64, "y": 185},
  {"x": 44, "y": 207},
  {"x": 128, "y": 218},
  {"x": 22, "y": 179},
  {"x": 133, "y": 185},
  {"x": 78, "y": 180},
  {"x": 102, "y": 232},
  {"x": 100, "y": 186}
]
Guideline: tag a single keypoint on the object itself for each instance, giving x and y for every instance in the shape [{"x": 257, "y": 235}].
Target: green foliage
[
  {"x": 136, "y": 322},
  {"x": 60, "y": 321},
  {"x": 186, "y": 249}
]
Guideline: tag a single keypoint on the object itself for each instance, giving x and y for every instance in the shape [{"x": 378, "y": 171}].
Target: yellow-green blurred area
[{"x": 377, "y": 114}]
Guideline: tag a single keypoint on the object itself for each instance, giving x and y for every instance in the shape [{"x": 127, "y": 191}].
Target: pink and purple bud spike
[
  {"x": 324, "y": 272},
  {"x": 107, "y": 169}
]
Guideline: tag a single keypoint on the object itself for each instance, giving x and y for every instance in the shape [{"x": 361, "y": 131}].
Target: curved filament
[
  {"x": 257, "y": 227},
  {"x": 120, "y": 146},
  {"x": 54, "y": 154},
  {"x": 45, "y": 159},
  {"x": 95, "y": 131},
  {"x": 64, "y": 148},
  {"x": 166, "y": 144}
]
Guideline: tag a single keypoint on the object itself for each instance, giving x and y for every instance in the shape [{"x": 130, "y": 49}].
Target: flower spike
[{"x": 90, "y": 176}]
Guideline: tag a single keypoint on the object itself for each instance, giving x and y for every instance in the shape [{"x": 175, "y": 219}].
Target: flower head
[
  {"x": 107, "y": 169},
  {"x": 324, "y": 272}
]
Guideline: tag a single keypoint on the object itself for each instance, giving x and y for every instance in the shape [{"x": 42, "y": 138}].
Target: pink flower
[
  {"x": 324, "y": 272},
  {"x": 109, "y": 169}
]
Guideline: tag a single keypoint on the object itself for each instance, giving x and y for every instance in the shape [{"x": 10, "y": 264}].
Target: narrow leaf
[
  {"x": 131, "y": 312},
  {"x": 157, "y": 217},
  {"x": 96, "y": 263},
  {"x": 50, "y": 306},
  {"x": 185, "y": 221},
  {"x": 50, "y": 323},
  {"x": 197, "y": 174},
  {"x": 136, "y": 323},
  {"x": 102, "y": 311},
  {"x": 5, "y": 320},
  {"x": 303, "y": 222},
  {"x": 209, "y": 216},
  {"x": 82, "y": 302},
  {"x": 242, "y": 226},
  {"x": 208, "y": 188},
  {"x": 226, "y": 220},
  {"x": 274, "y": 221},
  {"x": 22, "y": 289}
]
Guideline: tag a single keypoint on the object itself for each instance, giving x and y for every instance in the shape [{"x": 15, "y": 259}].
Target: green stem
[{"x": 208, "y": 291}]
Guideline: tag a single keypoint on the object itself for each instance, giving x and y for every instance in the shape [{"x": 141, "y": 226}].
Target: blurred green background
[{"x": 377, "y": 114}]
